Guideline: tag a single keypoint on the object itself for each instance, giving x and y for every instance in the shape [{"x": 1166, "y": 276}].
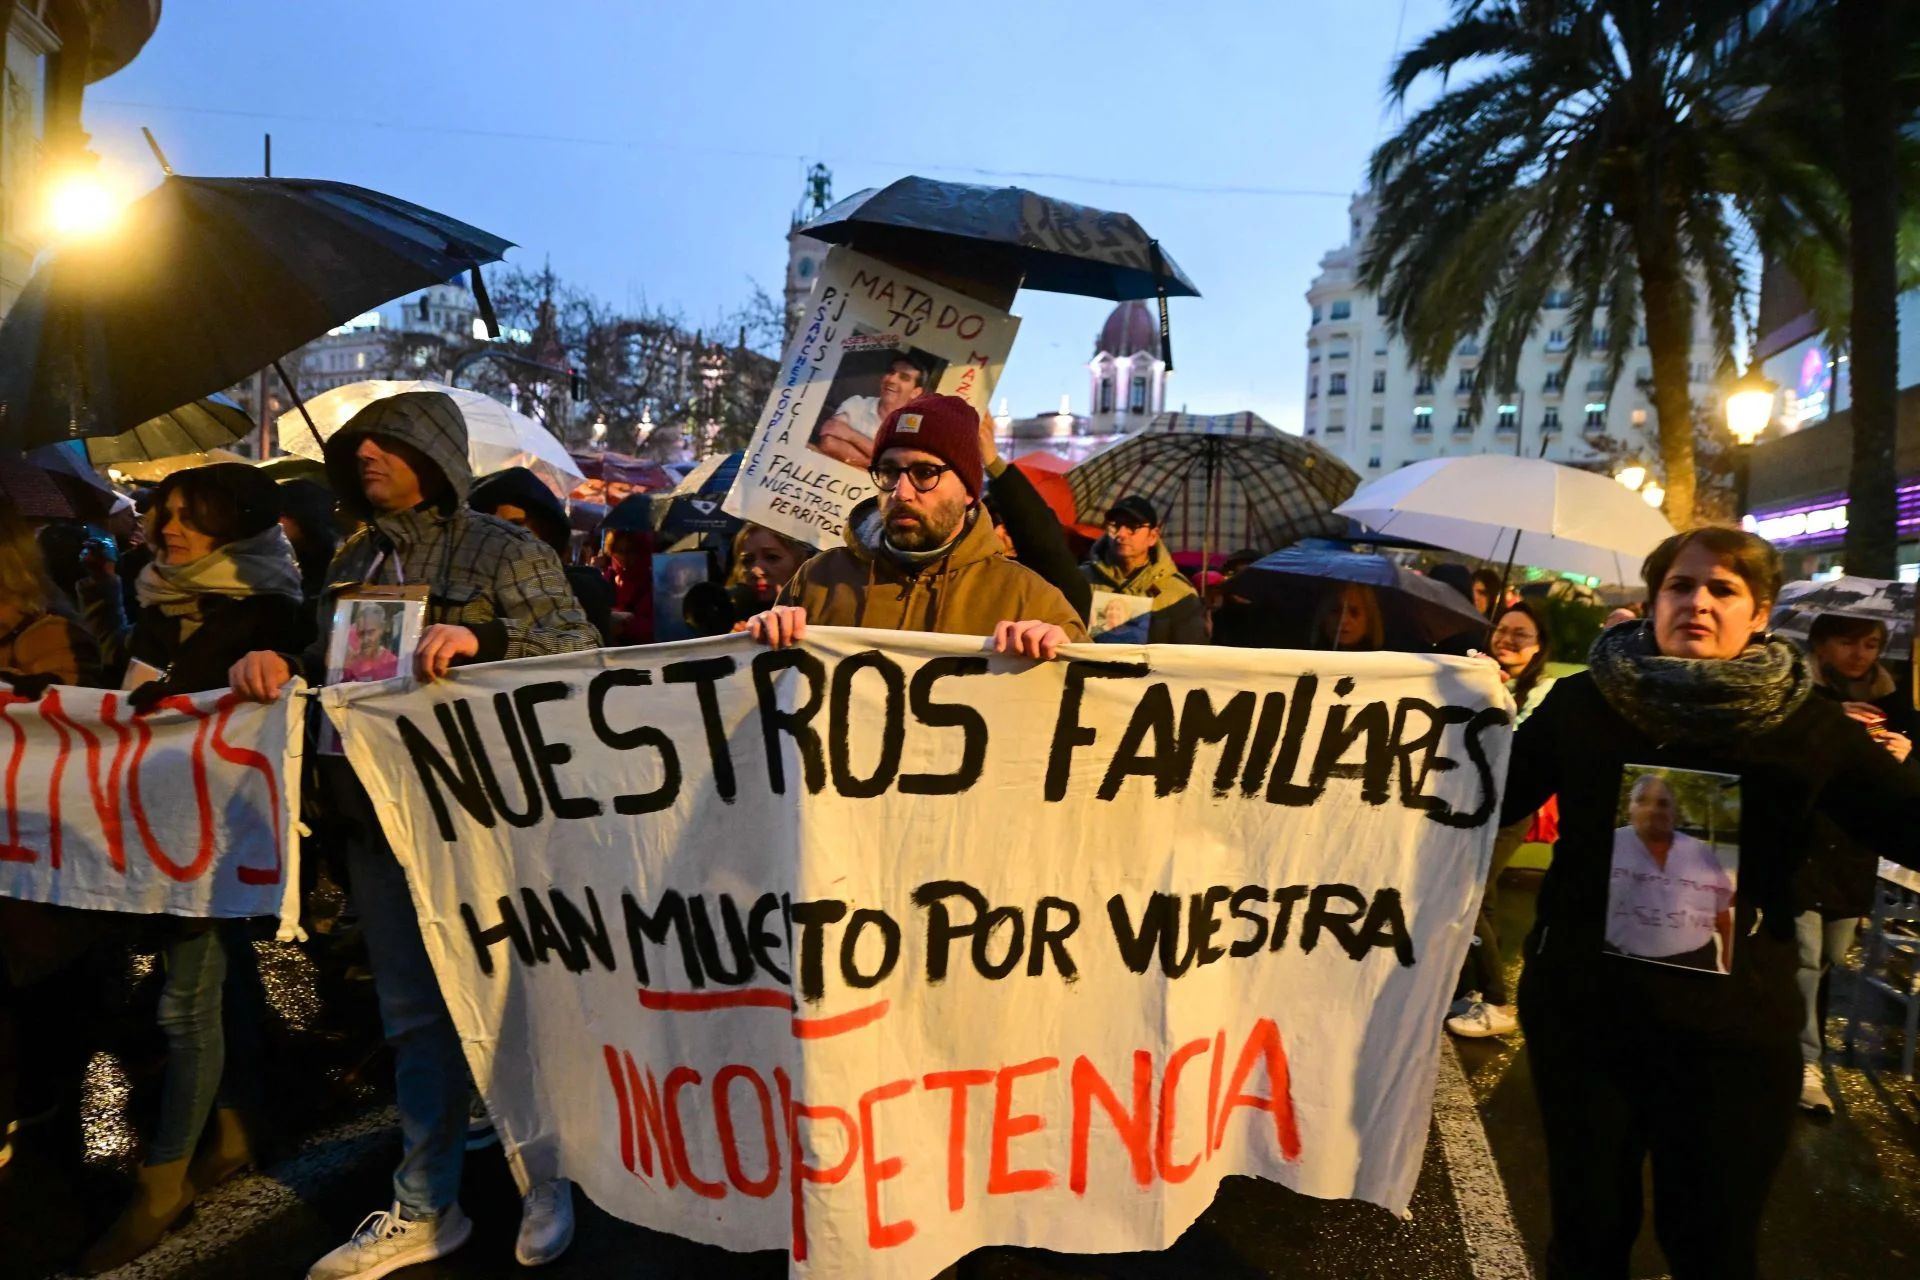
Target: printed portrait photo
[
  {"x": 1675, "y": 872},
  {"x": 1118, "y": 619},
  {"x": 673, "y": 576},
  {"x": 876, "y": 376}
]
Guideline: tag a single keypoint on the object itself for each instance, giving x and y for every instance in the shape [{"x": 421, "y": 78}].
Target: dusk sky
[{"x": 656, "y": 151}]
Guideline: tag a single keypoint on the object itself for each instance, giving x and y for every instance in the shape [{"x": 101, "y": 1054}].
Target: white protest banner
[
  {"x": 884, "y": 948},
  {"x": 872, "y": 337},
  {"x": 189, "y": 810}
]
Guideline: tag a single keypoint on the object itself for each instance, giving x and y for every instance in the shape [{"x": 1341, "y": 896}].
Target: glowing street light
[
  {"x": 1749, "y": 407},
  {"x": 82, "y": 207},
  {"x": 1654, "y": 494},
  {"x": 1631, "y": 476}
]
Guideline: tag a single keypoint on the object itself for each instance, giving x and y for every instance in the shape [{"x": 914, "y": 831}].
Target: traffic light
[{"x": 576, "y": 385}]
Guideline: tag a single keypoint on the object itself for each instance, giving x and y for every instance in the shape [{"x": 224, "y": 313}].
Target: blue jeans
[
  {"x": 1822, "y": 942},
  {"x": 211, "y": 1009},
  {"x": 429, "y": 1068}
]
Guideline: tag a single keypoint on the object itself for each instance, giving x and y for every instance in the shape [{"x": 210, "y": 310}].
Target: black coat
[
  {"x": 1838, "y": 876},
  {"x": 1038, "y": 540},
  {"x": 1817, "y": 762},
  {"x": 230, "y": 628}
]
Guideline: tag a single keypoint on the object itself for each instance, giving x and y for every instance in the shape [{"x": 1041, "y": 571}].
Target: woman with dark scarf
[
  {"x": 1697, "y": 1066},
  {"x": 223, "y": 583}
]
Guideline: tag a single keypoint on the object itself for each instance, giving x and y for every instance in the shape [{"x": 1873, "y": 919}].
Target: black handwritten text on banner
[{"x": 883, "y": 948}]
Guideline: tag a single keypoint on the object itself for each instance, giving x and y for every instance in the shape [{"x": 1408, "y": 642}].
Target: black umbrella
[
  {"x": 54, "y": 482},
  {"x": 1297, "y": 584},
  {"x": 1006, "y": 233},
  {"x": 206, "y": 281}
]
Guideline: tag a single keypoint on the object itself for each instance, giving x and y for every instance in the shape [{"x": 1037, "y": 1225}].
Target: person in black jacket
[
  {"x": 520, "y": 497},
  {"x": 1038, "y": 541},
  {"x": 222, "y": 583},
  {"x": 1630, "y": 1057},
  {"x": 1835, "y": 887}
]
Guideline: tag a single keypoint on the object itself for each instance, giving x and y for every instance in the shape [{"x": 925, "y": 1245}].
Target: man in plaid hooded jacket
[{"x": 494, "y": 591}]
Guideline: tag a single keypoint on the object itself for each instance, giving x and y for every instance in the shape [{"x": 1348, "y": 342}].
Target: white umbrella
[
  {"x": 1529, "y": 510},
  {"x": 497, "y": 437}
]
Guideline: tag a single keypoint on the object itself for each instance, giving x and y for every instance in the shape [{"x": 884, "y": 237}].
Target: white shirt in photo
[
  {"x": 862, "y": 414},
  {"x": 1656, "y": 911}
]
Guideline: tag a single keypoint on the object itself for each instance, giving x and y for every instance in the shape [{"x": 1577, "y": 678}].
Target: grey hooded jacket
[{"x": 496, "y": 579}]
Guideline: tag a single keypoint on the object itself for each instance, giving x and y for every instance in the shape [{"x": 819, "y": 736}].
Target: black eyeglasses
[{"x": 925, "y": 475}]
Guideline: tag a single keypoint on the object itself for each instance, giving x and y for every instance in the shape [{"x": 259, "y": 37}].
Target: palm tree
[{"x": 1591, "y": 146}]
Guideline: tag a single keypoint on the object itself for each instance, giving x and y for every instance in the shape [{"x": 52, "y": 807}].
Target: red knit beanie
[{"x": 945, "y": 426}]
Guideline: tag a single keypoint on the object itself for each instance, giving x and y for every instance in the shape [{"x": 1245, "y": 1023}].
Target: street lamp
[
  {"x": 82, "y": 207},
  {"x": 643, "y": 430},
  {"x": 1632, "y": 476},
  {"x": 1654, "y": 494},
  {"x": 713, "y": 370},
  {"x": 600, "y": 433},
  {"x": 1749, "y": 410}
]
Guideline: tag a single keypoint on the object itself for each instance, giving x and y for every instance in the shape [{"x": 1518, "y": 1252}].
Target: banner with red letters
[
  {"x": 191, "y": 809},
  {"x": 883, "y": 948}
]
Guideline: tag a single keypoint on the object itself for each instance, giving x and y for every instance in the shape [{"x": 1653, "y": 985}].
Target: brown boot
[
  {"x": 225, "y": 1149},
  {"x": 160, "y": 1197}
]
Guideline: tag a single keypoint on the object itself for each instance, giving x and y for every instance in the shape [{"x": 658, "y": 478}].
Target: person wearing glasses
[
  {"x": 920, "y": 555},
  {"x": 1131, "y": 560}
]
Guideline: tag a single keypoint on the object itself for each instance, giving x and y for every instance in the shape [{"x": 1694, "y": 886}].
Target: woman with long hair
[
  {"x": 223, "y": 583},
  {"x": 1637, "y": 1048},
  {"x": 1520, "y": 646},
  {"x": 1349, "y": 620}
]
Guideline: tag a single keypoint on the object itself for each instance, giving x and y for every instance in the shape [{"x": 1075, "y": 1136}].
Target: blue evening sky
[{"x": 655, "y": 151}]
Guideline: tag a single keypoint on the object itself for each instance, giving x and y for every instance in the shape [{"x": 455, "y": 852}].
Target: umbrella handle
[
  {"x": 1160, "y": 288},
  {"x": 299, "y": 404},
  {"x": 483, "y": 303}
]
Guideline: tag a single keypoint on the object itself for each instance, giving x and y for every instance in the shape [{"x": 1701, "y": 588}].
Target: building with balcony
[{"x": 1369, "y": 406}]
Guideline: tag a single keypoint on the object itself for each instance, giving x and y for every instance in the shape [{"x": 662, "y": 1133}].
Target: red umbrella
[{"x": 1048, "y": 476}]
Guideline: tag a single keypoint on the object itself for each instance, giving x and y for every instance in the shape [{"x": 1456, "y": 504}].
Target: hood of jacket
[
  {"x": 1158, "y": 576},
  {"x": 430, "y": 421},
  {"x": 519, "y": 487}
]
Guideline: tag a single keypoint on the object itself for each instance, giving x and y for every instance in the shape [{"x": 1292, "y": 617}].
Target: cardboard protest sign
[
  {"x": 883, "y": 948},
  {"x": 190, "y": 810},
  {"x": 872, "y": 337}
]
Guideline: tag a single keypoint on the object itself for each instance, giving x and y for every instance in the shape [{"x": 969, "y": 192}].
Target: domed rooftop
[{"x": 1131, "y": 328}]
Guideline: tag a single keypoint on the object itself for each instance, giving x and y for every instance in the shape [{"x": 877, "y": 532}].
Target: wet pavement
[{"x": 1846, "y": 1204}]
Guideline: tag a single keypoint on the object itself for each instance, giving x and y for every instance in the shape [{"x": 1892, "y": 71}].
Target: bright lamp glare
[
  {"x": 1654, "y": 495},
  {"x": 1748, "y": 413},
  {"x": 1632, "y": 477},
  {"x": 82, "y": 207}
]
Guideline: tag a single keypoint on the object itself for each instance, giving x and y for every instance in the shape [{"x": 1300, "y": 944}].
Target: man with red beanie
[{"x": 920, "y": 555}]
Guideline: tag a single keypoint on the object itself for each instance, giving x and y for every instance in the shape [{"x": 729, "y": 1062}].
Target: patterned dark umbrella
[
  {"x": 1230, "y": 480},
  {"x": 206, "y": 281},
  {"x": 1296, "y": 584},
  {"x": 1006, "y": 233},
  {"x": 1880, "y": 600}
]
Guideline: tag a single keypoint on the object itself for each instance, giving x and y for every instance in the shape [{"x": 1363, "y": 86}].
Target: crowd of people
[{"x": 239, "y": 583}]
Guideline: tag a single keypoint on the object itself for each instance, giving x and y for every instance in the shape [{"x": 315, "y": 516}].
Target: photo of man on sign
[
  {"x": 1675, "y": 862},
  {"x": 893, "y": 375}
]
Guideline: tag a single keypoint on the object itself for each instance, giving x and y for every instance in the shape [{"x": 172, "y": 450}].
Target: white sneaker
[
  {"x": 1484, "y": 1020},
  {"x": 1813, "y": 1090},
  {"x": 386, "y": 1242},
  {"x": 546, "y": 1223},
  {"x": 480, "y": 1131}
]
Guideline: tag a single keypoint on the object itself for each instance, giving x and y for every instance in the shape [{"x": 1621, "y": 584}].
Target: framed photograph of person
[
  {"x": 375, "y": 631},
  {"x": 1675, "y": 875},
  {"x": 1118, "y": 619},
  {"x": 877, "y": 375}
]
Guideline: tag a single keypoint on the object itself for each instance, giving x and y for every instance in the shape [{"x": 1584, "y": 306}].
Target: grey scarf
[{"x": 1705, "y": 701}]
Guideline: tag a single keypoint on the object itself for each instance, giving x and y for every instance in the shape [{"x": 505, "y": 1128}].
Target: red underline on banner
[
  {"x": 852, "y": 1020},
  {"x": 762, "y": 998},
  {"x": 701, "y": 1001}
]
